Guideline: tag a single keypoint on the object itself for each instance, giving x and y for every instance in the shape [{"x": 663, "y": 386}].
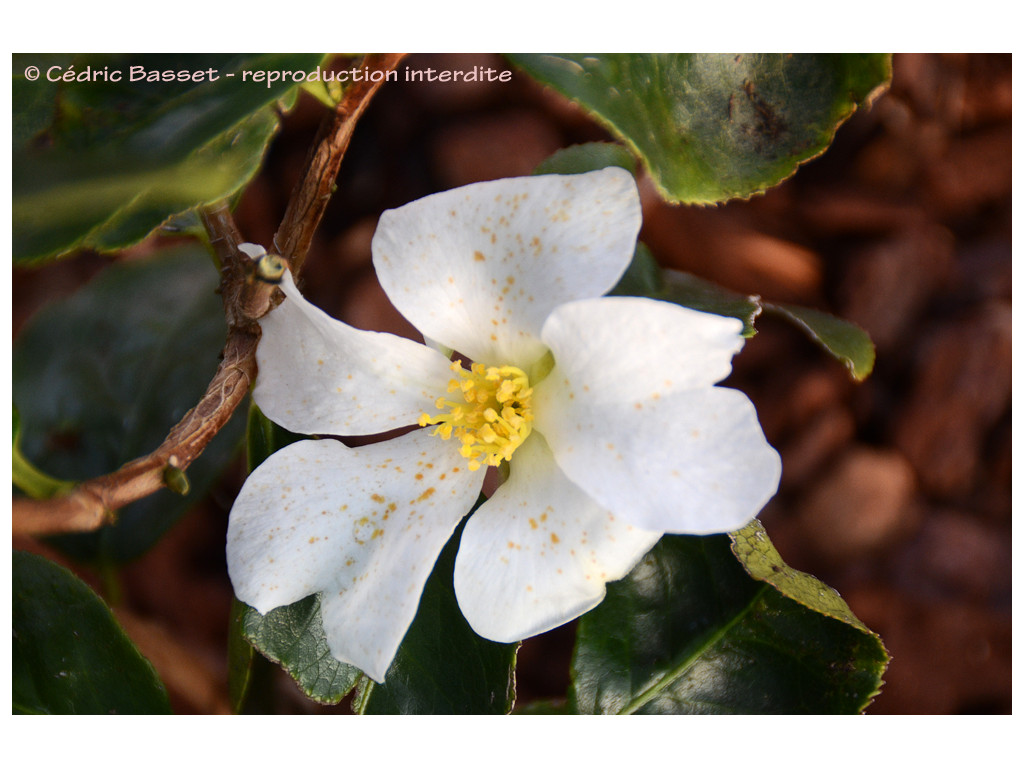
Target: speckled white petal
[
  {"x": 631, "y": 417},
  {"x": 479, "y": 268},
  {"x": 318, "y": 376},
  {"x": 362, "y": 526},
  {"x": 539, "y": 552},
  {"x": 693, "y": 461},
  {"x": 623, "y": 349},
  {"x": 252, "y": 250}
]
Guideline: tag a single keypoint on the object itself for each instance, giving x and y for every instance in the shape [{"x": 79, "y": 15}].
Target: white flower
[{"x": 605, "y": 409}]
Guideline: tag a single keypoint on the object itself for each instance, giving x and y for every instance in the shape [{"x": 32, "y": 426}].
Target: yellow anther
[{"x": 494, "y": 418}]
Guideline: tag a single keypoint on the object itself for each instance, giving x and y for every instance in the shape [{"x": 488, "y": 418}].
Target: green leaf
[
  {"x": 263, "y": 437},
  {"x": 696, "y": 293},
  {"x": 293, "y": 636},
  {"x": 101, "y": 377},
  {"x": 69, "y": 655},
  {"x": 710, "y": 127},
  {"x": 643, "y": 277},
  {"x": 101, "y": 164},
  {"x": 690, "y": 631},
  {"x": 847, "y": 342},
  {"x": 581, "y": 158},
  {"x": 442, "y": 666},
  {"x": 241, "y": 656},
  {"x": 761, "y": 560}
]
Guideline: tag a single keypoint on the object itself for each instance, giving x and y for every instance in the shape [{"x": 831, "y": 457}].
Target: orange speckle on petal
[{"x": 477, "y": 256}]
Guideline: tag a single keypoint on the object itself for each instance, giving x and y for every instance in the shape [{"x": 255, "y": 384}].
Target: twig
[
  {"x": 310, "y": 197},
  {"x": 92, "y": 503}
]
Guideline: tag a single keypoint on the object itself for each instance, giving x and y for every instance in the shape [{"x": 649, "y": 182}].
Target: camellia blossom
[{"x": 604, "y": 409}]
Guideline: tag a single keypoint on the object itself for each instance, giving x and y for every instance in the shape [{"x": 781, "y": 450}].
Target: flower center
[{"x": 493, "y": 417}]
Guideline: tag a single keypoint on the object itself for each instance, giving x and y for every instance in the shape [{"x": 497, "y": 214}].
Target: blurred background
[{"x": 896, "y": 491}]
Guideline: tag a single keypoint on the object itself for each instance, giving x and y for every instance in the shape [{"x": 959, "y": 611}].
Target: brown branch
[
  {"x": 311, "y": 195},
  {"x": 92, "y": 503}
]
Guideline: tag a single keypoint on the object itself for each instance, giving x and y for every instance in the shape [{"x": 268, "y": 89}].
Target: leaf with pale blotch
[{"x": 711, "y": 127}]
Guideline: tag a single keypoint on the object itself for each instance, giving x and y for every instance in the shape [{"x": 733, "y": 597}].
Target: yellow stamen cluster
[{"x": 494, "y": 416}]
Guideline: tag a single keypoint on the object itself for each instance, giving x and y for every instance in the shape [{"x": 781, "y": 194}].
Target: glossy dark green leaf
[
  {"x": 711, "y": 127},
  {"x": 101, "y": 377},
  {"x": 69, "y": 655},
  {"x": 593, "y": 156},
  {"x": 847, "y": 342},
  {"x": 442, "y": 666},
  {"x": 293, "y": 636},
  {"x": 690, "y": 631},
  {"x": 100, "y": 164}
]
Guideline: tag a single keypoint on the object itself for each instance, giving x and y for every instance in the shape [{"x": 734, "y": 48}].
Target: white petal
[
  {"x": 631, "y": 417},
  {"x": 252, "y": 250},
  {"x": 319, "y": 376},
  {"x": 627, "y": 349},
  {"x": 479, "y": 268},
  {"x": 539, "y": 552},
  {"x": 363, "y": 526},
  {"x": 693, "y": 461}
]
